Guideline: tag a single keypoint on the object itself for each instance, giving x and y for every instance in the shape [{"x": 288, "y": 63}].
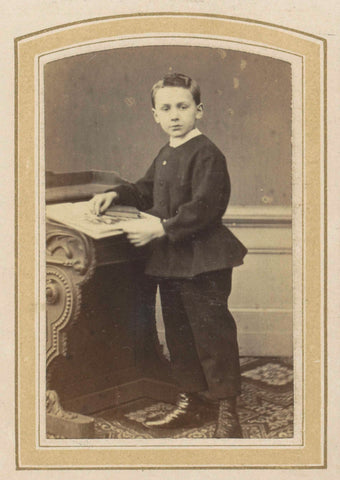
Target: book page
[{"x": 78, "y": 216}]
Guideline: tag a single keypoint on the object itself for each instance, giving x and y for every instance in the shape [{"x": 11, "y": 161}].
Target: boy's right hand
[{"x": 101, "y": 202}]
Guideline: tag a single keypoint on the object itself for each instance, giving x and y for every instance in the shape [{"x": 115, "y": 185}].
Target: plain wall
[{"x": 98, "y": 114}]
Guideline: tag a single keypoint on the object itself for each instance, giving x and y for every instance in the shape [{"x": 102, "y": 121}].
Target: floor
[{"x": 266, "y": 407}]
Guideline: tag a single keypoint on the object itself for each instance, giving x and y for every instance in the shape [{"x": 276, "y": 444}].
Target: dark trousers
[{"x": 201, "y": 333}]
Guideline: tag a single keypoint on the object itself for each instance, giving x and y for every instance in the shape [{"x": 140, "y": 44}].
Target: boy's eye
[
  {"x": 184, "y": 107},
  {"x": 164, "y": 108}
]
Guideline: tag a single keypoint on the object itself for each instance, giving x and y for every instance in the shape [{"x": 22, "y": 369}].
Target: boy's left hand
[{"x": 140, "y": 232}]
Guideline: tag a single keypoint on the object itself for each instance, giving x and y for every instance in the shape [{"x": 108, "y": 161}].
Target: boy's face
[{"x": 176, "y": 111}]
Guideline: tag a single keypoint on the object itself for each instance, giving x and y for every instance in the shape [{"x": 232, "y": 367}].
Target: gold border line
[
  {"x": 16, "y": 243},
  {"x": 168, "y": 14},
  {"x": 325, "y": 257}
]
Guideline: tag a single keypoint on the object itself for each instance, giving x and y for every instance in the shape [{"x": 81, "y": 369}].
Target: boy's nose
[{"x": 174, "y": 115}]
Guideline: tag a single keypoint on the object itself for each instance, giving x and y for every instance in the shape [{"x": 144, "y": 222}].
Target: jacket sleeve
[
  {"x": 139, "y": 194},
  {"x": 210, "y": 192}
]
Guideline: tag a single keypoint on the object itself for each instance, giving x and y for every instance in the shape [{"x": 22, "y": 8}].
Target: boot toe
[{"x": 186, "y": 413}]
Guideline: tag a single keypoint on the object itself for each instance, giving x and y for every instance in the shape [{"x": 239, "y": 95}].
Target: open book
[{"x": 78, "y": 216}]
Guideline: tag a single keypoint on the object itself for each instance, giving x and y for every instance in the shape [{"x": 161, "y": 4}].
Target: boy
[{"x": 187, "y": 190}]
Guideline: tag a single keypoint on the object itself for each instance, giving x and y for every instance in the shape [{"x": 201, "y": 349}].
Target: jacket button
[
  {"x": 161, "y": 202},
  {"x": 161, "y": 182},
  {"x": 164, "y": 162}
]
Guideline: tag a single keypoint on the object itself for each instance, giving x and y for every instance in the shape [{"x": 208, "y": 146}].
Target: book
[
  {"x": 78, "y": 216},
  {"x": 123, "y": 211}
]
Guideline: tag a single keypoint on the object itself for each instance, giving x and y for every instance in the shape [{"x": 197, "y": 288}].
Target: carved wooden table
[{"x": 102, "y": 345}]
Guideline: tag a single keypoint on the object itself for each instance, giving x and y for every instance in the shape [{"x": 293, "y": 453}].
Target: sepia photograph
[
  {"x": 176, "y": 235},
  {"x": 208, "y": 154}
]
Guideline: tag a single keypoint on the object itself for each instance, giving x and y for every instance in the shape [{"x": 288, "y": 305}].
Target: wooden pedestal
[{"x": 102, "y": 345}]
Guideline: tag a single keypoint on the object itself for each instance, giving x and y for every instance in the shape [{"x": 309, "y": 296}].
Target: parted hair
[{"x": 177, "y": 80}]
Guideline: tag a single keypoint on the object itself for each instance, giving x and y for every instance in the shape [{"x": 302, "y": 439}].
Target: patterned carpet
[{"x": 265, "y": 407}]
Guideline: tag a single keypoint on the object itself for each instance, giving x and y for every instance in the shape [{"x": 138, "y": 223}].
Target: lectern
[{"x": 102, "y": 346}]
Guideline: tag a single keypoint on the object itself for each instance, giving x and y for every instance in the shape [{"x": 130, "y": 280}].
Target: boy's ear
[
  {"x": 155, "y": 116},
  {"x": 199, "y": 112}
]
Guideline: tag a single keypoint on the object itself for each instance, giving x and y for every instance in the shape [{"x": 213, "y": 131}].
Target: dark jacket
[{"x": 188, "y": 187}]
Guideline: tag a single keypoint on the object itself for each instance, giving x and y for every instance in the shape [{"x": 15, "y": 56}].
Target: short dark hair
[{"x": 177, "y": 80}]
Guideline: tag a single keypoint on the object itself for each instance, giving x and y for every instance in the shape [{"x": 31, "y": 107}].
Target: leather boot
[
  {"x": 188, "y": 411},
  {"x": 228, "y": 425}
]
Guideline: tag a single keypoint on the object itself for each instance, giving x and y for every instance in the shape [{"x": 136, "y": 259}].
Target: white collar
[{"x": 174, "y": 142}]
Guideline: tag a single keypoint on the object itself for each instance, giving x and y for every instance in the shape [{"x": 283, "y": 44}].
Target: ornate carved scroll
[
  {"x": 63, "y": 300},
  {"x": 70, "y": 259},
  {"x": 66, "y": 424},
  {"x": 71, "y": 249}
]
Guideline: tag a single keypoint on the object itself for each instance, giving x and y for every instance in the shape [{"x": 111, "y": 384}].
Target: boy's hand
[
  {"x": 141, "y": 232},
  {"x": 101, "y": 202}
]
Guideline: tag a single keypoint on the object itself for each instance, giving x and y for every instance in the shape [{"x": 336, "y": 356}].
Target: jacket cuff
[{"x": 170, "y": 230}]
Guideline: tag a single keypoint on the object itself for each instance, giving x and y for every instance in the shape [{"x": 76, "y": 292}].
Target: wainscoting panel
[{"x": 261, "y": 299}]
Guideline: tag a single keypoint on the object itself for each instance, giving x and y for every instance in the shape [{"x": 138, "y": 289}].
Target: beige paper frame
[{"x": 311, "y": 453}]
